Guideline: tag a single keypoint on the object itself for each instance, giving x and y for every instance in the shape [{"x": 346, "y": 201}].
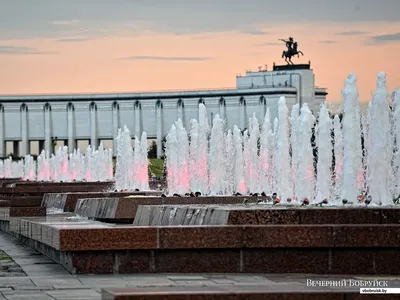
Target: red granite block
[
  {"x": 278, "y": 216},
  {"x": 285, "y": 261},
  {"x": 216, "y": 293},
  {"x": 390, "y": 216},
  {"x": 5, "y": 203},
  {"x": 340, "y": 216},
  {"x": 358, "y": 296},
  {"x": 367, "y": 236},
  {"x": 242, "y": 217},
  {"x": 387, "y": 261},
  {"x": 107, "y": 239},
  {"x": 127, "y": 207},
  {"x": 197, "y": 237},
  {"x": 27, "y": 211},
  {"x": 132, "y": 262},
  {"x": 203, "y": 200},
  {"x": 168, "y": 293},
  {"x": 23, "y": 201},
  {"x": 352, "y": 261},
  {"x": 313, "y": 236},
  {"x": 93, "y": 262},
  {"x": 195, "y": 261}
]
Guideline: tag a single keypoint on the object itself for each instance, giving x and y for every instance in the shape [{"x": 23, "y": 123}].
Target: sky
[{"x": 95, "y": 46}]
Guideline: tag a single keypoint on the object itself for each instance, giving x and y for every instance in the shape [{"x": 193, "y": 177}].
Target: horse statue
[{"x": 292, "y": 51}]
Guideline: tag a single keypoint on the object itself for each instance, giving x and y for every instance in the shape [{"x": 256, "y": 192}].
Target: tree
[{"x": 153, "y": 150}]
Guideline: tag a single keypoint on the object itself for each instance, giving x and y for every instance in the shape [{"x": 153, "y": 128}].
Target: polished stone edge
[
  {"x": 377, "y": 261},
  {"x": 240, "y": 293},
  {"x": 211, "y": 237},
  {"x": 120, "y": 208},
  {"x": 67, "y": 201},
  {"x": 67, "y": 235},
  {"x": 8, "y": 213}
]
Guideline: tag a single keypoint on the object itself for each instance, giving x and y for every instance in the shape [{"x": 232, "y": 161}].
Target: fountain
[
  {"x": 305, "y": 168},
  {"x": 61, "y": 166},
  {"x": 337, "y": 178},
  {"x": 140, "y": 163},
  {"x": 280, "y": 158},
  {"x": 294, "y": 116},
  {"x": 381, "y": 145},
  {"x": 217, "y": 158},
  {"x": 230, "y": 163},
  {"x": 252, "y": 158},
  {"x": 324, "y": 142},
  {"x": 131, "y": 165},
  {"x": 351, "y": 139},
  {"x": 267, "y": 156},
  {"x": 29, "y": 168},
  {"x": 396, "y": 129},
  {"x": 355, "y": 154},
  {"x": 240, "y": 183},
  {"x": 283, "y": 169}
]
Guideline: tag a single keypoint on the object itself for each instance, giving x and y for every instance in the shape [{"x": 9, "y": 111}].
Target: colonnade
[{"x": 162, "y": 123}]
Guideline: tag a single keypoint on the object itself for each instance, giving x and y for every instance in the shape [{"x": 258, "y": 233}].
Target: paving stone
[
  {"x": 70, "y": 287},
  {"x": 77, "y": 294},
  {"x": 195, "y": 282},
  {"x": 12, "y": 281},
  {"x": 8, "y": 267},
  {"x": 100, "y": 281},
  {"x": 223, "y": 281},
  {"x": 33, "y": 288},
  {"x": 41, "y": 296},
  {"x": 185, "y": 277},
  {"x": 56, "y": 281}
]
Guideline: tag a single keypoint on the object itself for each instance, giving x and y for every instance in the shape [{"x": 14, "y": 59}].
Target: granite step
[
  {"x": 89, "y": 247},
  {"x": 67, "y": 201},
  {"x": 233, "y": 292},
  {"x": 21, "y": 201}
]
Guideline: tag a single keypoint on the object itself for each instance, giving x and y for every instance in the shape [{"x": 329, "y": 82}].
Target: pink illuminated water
[
  {"x": 337, "y": 180},
  {"x": 278, "y": 157},
  {"x": 131, "y": 165},
  {"x": 282, "y": 154}
]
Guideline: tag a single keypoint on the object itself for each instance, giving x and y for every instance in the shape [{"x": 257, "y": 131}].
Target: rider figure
[{"x": 289, "y": 43}]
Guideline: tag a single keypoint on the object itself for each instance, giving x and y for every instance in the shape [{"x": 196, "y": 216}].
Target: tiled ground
[{"x": 40, "y": 278}]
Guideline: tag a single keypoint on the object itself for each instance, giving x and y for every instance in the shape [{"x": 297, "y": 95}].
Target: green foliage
[{"x": 156, "y": 167}]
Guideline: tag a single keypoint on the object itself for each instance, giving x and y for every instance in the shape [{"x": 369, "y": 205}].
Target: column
[
  {"x": 48, "y": 145},
  {"x": 180, "y": 112},
  {"x": 93, "y": 127},
  {"x": 71, "y": 134},
  {"x": 115, "y": 124},
  {"x": 159, "y": 120},
  {"x": 198, "y": 108},
  {"x": 24, "y": 130},
  {"x": 137, "y": 112},
  {"x": 2, "y": 132},
  {"x": 242, "y": 112},
  {"x": 222, "y": 108},
  {"x": 41, "y": 146},
  {"x": 262, "y": 108},
  {"x": 16, "y": 148}
]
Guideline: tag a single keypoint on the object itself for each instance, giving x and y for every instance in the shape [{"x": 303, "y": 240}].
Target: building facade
[{"x": 97, "y": 117}]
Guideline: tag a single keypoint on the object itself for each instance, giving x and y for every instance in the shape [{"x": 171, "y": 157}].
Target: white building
[{"x": 93, "y": 117}]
